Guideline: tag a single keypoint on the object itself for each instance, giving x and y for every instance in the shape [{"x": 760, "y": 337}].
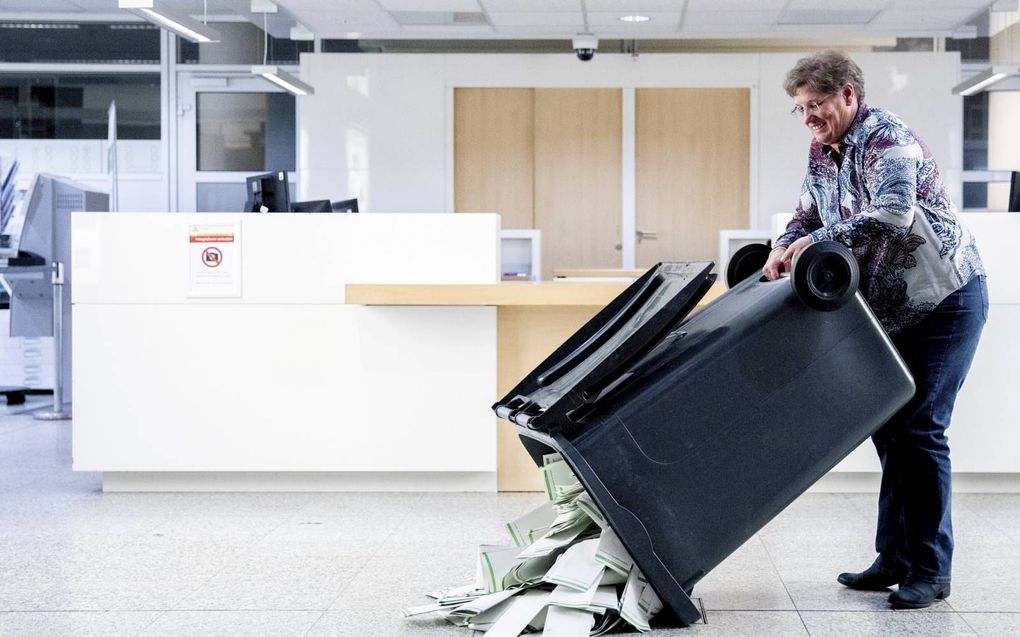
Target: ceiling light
[
  {"x": 982, "y": 80},
  {"x": 181, "y": 25},
  {"x": 634, "y": 18},
  {"x": 282, "y": 79}
]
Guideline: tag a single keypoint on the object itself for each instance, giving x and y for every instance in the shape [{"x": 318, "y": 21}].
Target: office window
[
  {"x": 250, "y": 132},
  {"x": 66, "y": 106},
  {"x": 975, "y": 148},
  {"x": 87, "y": 43}
]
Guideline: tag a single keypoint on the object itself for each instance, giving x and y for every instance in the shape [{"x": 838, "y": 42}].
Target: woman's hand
[
  {"x": 771, "y": 269},
  {"x": 781, "y": 260}
]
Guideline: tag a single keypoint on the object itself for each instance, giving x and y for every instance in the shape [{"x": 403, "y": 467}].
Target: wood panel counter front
[{"x": 533, "y": 319}]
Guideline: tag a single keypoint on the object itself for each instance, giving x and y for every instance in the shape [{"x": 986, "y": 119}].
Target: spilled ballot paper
[{"x": 565, "y": 574}]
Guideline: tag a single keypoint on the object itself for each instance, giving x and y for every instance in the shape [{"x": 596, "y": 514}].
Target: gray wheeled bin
[{"x": 690, "y": 433}]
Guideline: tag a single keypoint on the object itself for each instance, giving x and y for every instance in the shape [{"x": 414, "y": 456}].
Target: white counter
[{"x": 283, "y": 386}]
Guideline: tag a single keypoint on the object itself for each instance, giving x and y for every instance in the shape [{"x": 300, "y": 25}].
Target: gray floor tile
[
  {"x": 18, "y": 594},
  {"x": 103, "y": 594},
  {"x": 830, "y": 595},
  {"x": 993, "y": 624},
  {"x": 382, "y": 623},
  {"x": 800, "y": 568},
  {"x": 747, "y": 591},
  {"x": 884, "y": 624},
  {"x": 388, "y": 584},
  {"x": 242, "y": 592},
  {"x": 992, "y": 595},
  {"x": 742, "y": 624},
  {"x": 202, "y": 623},
  {"x": 79, "y": 624}
]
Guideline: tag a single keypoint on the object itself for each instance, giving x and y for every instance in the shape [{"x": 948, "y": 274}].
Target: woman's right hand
[{"x": 772, "y": 268}]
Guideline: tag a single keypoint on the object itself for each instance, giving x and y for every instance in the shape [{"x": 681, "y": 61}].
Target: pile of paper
[{"x": 567, "y": 574}]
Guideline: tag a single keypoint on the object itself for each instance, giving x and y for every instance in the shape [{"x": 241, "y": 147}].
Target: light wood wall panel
[
  {"x": 578, "y": 177},
  {"x": 692, "y": 164},
  {"x": 493, "y": 153}
]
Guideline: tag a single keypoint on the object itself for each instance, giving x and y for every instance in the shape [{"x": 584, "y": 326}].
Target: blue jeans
[{"x": 915, "y": 529}]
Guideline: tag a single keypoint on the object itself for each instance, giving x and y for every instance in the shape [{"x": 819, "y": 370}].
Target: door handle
[{"x": 643, "y": 235}]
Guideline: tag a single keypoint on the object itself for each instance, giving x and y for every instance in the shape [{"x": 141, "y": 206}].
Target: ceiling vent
[{"x": 439, "y": 18}]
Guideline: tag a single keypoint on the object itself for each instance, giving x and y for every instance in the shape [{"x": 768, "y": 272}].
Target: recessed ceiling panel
[{"x": 657, "y": 19}]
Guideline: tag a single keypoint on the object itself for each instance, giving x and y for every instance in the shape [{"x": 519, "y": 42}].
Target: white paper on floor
[{"x": 566, "y": 573}]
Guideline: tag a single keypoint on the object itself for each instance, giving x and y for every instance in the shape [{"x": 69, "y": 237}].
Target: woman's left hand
[{"x": 791, "y": 252}]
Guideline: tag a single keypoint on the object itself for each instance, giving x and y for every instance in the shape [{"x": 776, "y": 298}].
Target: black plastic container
[{"x": 691, "y": 433}]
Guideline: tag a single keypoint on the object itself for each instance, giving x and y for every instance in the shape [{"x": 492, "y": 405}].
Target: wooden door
[
  {"x": 493, "y": 153},
  {"x": 578, "y": 177},
  {"x": 692, "y": 171}
]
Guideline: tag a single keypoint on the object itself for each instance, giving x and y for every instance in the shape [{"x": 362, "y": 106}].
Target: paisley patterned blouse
[{"x": 884, "y": 199}]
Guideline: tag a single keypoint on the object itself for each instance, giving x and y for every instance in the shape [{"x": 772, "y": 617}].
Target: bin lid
[{"x": 587, "y": 364}]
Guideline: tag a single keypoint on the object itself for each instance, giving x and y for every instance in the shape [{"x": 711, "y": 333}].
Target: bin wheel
[
  {"x": 745, "y": 262},
  {"x": 825, "y": 275}
]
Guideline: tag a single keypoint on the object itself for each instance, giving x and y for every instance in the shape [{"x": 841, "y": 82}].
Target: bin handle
[{"x": 604, "y": 334}]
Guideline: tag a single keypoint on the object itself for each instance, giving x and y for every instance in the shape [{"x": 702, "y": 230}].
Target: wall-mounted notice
[{"x": 214, "y": 263}]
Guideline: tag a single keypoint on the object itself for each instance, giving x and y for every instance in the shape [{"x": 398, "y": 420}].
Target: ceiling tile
[
  {"x": 763, "y": 19},
  {"x": 827, "y": 16},
  {"x": 630, "y": 6},
  {"x": 574, "y": 19},
  {"x": 839, "y": 5},
  {"x": 431, "y": 5},
  {"x": 735, "y": 5},
  {"x": 947, "y": 18},
  {"x": 540, "y": 6}
]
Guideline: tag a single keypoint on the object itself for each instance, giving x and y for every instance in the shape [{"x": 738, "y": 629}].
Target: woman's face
[{"x": 828, "y": 117}]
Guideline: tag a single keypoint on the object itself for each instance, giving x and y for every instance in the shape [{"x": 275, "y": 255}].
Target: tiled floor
[{"x": 76, "y": 562}]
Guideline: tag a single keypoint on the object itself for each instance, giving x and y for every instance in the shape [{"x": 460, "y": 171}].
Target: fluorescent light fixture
[
  {"x": 282, "y": 79},
  {"x": 983, "y": 80},
  {"x": 181, "y": 25},
  {"x": 634, "y": 18}
]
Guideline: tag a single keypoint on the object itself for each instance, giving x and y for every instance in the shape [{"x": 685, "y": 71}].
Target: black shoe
[
  {"x": 870, "y": 579},
  {"x": 915, "y": 594}
]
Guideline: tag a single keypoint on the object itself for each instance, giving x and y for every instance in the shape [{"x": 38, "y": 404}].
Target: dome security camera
[{"x": 585, "y": 46}]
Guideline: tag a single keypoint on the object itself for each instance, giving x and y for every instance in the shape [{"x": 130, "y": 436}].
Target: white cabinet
[{"x": 24, "y": 361}]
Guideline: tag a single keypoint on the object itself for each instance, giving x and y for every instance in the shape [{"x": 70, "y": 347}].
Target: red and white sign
[{"x": 213, "y": 265}]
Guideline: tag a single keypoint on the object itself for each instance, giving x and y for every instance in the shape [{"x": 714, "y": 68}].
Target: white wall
[{"x": 380, "y": 126}]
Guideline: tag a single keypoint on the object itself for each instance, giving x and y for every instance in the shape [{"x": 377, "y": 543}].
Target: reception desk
[
  {"x": 267, "y": 379},
  {"x": 363, "y": 352}
]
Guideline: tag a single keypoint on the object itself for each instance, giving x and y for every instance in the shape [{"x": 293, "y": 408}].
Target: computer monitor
[
  {"x": 268, "y": 192},
  {"x": 316, "y": 205},
  {"x": 1014, "y": 192},
  {"x": 8, "y": 171},
  {"x": 347, "y": 205}
]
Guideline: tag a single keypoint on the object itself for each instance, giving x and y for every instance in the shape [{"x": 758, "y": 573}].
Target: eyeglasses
[{"x": 810, "y": 107}]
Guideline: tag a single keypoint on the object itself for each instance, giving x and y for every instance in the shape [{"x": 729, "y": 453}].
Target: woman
[{"x": 873, "y": 186}]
